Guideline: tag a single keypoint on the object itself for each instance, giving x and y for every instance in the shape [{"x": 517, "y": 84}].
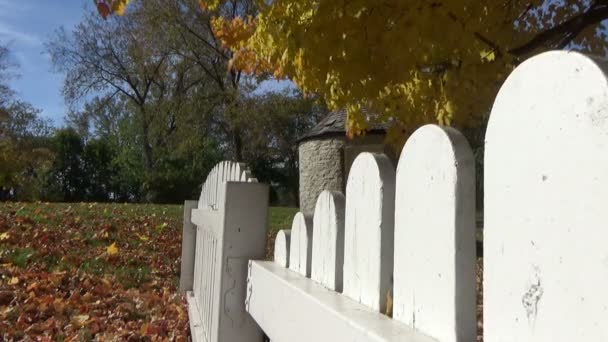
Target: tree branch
[{"x": 561, "y": 35}]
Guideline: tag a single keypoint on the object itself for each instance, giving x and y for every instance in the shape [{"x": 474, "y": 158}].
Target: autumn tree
[
  {"x": 404, "y": 62},
  {"x": 181, "y": 26}
]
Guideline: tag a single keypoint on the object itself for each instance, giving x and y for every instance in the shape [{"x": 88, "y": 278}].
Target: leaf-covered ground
[
  {"x": 95, "y": 272},
  {"x": 90, "y": 272},
  {"x": 100, "y": 272}
]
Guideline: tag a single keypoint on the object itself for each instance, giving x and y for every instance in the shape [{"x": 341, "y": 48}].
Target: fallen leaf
[
  {"x": 80, "y": 320},
  {"x": 112, "y": 249},
  {"x": 4, "y": 236},
  {"x": 13, "y": 281}
]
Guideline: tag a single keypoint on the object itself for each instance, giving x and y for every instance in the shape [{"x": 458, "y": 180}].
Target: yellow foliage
[
  {"x": 406, "y": 63},
  {"x": 112, "y": 249},
  {"x": 119, "y": 6},
  {"x": 403, "y": 62},
  {"x": 4, "y": 236}
]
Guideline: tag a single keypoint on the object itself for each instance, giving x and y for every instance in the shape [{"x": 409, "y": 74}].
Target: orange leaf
[{"x": 103, "y": 8}]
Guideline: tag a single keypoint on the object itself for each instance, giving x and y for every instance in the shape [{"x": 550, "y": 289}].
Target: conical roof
[{"x": 335, "y": 124}]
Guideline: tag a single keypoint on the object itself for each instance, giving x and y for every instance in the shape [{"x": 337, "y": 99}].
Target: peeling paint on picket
[{"x": 546, "y": 190}]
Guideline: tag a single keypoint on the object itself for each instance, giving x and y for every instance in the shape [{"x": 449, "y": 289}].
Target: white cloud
[{"x": 8, "y": 33}]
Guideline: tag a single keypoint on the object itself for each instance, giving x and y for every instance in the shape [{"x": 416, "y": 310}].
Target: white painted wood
[
  {"x": 281, "y": 247},
  {"x": 231, "y": 221},
  {"x": 292, "y": 308},
  {"x": 221, "y": 173},
  {"x": 244, "y": 237},
  {"x": 186, "y": 277},
  {"x": 546, "y": 190},
  {"x": 328, "y": 242},
  {"x": 300, "y": 249},
  {"x": 208, "y": 220},
  {"x": 369, "y": 230},
  {"x": 434, "y": 275}
]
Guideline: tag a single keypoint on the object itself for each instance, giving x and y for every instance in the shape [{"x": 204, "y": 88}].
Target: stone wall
[{"x": 321, "y": 165}]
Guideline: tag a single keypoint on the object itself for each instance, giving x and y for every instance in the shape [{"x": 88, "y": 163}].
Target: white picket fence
[{"x": 405, "y": 239}]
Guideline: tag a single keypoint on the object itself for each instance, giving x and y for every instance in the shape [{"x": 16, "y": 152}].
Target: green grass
[
  {"x": 20, "y": 256},
  {"x": 280, "y": 218}
]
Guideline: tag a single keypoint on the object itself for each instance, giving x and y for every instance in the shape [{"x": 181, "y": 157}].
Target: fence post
[
  {"x": 186, "y": 277},
  {"x": 231, "y": 221},
  {"x": 546, "y": 191}
]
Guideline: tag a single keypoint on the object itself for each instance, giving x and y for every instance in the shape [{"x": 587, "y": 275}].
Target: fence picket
[
  {"x": 328, "y": 242},
  {"x": 300, "y": 247},
  {"x": 369, "y": 230},
  {"x": 281, "y": 247},
  {"x": 434, "y": 274}
]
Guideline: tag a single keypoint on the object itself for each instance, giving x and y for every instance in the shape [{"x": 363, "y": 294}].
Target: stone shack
[{"x": 326, "y": 155}]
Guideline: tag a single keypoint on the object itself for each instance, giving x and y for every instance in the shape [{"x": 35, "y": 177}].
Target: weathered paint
[
  {"x": 546, "y": 190},
  {"x": 281, "y": 247},
  {"x": 300, "y": 247},
  {"x": 328, "y": 244},
  {"x": 369, "y": 230},
  {"x": 292, "y": 308},
  {"x": 434, "y": 289}
]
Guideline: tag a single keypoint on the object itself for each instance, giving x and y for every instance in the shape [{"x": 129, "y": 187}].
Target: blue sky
[{"x": 25, "y": 25}]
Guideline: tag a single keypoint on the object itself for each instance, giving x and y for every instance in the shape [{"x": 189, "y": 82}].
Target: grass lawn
[{"x": 88, "y": 271}]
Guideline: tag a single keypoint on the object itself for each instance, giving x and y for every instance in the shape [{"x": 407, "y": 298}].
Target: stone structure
[{"x": 326, "y": 155}]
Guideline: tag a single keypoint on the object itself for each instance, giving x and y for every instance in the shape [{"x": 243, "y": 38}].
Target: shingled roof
[{"x": 335, "y": 124}]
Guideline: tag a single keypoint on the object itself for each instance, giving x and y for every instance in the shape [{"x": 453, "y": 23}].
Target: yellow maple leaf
[
  {"x": 487, "y": 56},
  {"x": 13, "y": 281},
  {"x": 4, "y": 236},
  {"x": 112, "y": 249},
  {"x": 119, "y": 6}
]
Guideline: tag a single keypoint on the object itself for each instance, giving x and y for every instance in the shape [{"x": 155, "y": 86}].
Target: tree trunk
[
  {"x": 148, "y": 162},
  {"x": 238, "y": 145}
]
